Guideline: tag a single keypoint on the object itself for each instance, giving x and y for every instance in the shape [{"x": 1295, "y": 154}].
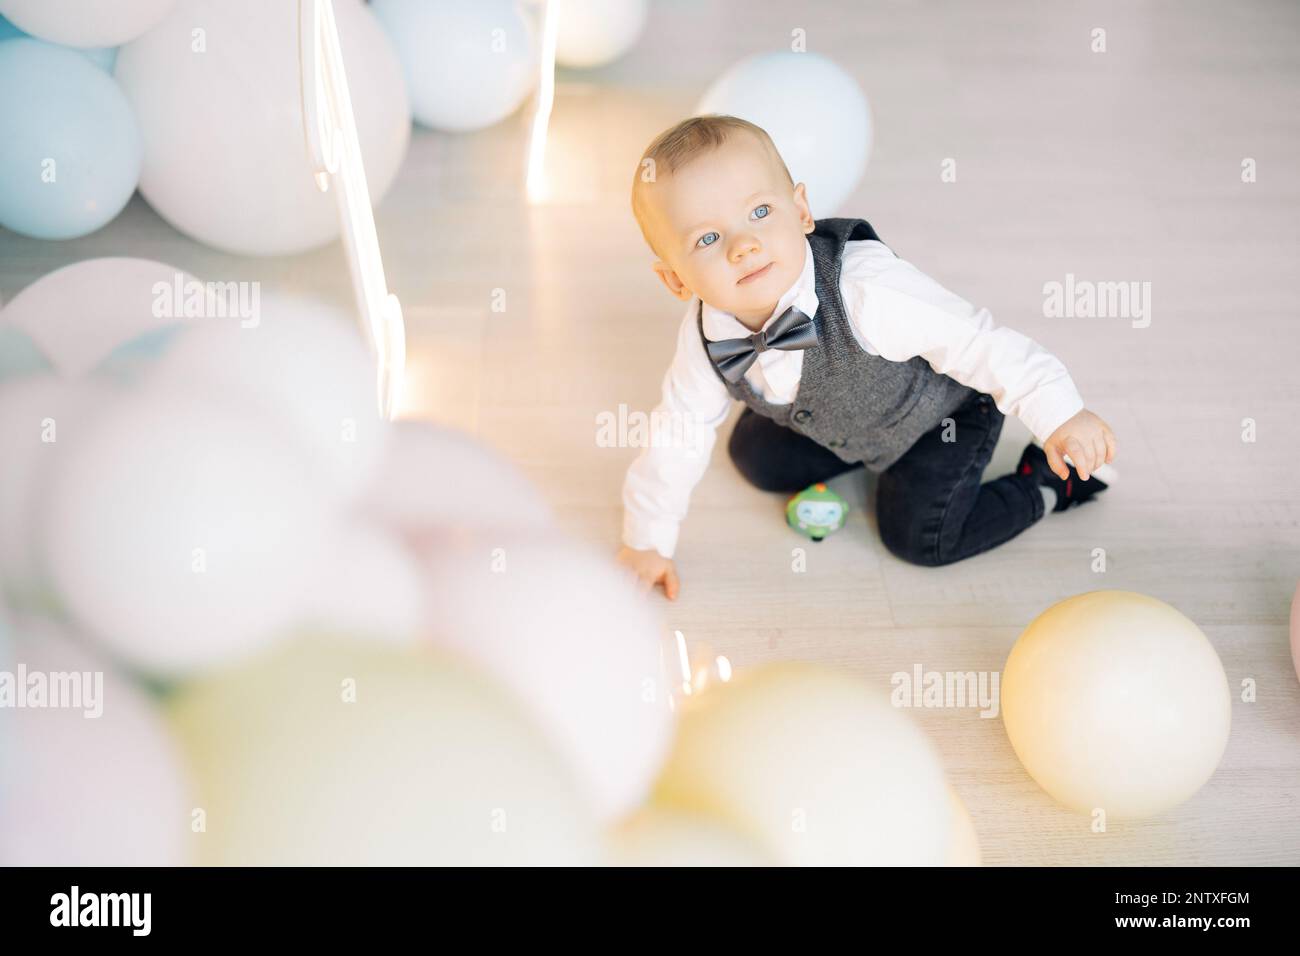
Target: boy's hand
[
  {"x": 651, "y": 568},
  {"x": 1086, "y": 439}
]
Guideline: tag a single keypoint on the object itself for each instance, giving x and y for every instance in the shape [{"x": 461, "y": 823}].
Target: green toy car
[{"x": 816, "y": 511}]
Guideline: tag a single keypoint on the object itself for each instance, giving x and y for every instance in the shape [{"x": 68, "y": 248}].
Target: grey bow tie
[{"x": 733, "y": 357}]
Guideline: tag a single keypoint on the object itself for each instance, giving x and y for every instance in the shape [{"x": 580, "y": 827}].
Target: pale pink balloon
[
  {"x": 42, "y": 419},
  {"x": 370, "y": 587},
  {"x": 89, "y": 791},
  {"x": 182, "y": 532},
  {"x": 568, "y": 633},
  {"x": 437, "y": 483},
  {"x": 301, "y": 364}
]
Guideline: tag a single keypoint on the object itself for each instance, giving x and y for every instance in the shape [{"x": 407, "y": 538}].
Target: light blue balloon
[{"x": 62, "y": 117}]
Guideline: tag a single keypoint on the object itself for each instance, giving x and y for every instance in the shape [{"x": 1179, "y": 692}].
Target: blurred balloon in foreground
[
  {"x": 370, "y": 587},
  {"x": 302, "y": 366},
  {"x": 70, "y": 150},
  {"x": 19, "y": 354},
  {"x": 569, "y": 635},
  {"x": 655, "y": 837},
  {"x": 42, "y": 420},
  {"x": 1115, "y": 701},
  {"x": 343, "y": 753},
  {"x": 6, "y": 725},
  {"x": 815, "y": 766},
  {"x": 432, "y": 480},
  {"x": 80, "y": 315},
  {"x": 85, "y": 790},
  {"x": 965, "y": 849},
  {"x": 183, "y": 531}
]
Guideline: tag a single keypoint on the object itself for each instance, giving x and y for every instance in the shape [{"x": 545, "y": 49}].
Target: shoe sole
[{"x": 1105, "y": 473}]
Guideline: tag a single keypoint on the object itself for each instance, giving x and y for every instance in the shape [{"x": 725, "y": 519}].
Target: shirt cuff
[
  {"x": 1049, "y": 407},
  {"x": 643, "y": 535}
]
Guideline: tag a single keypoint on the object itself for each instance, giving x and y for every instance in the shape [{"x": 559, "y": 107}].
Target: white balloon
[
  {"x": 369, "y": 587},
  {"x": 42, "y": 418},
  {"x": 303, "y": 366},
  {"x": 467, "y": 65},
  {"x": 79, "y": 314},
  {"x": 1115, "y": 701},
  {"x": 225, "y": 155},
  {"x": 433, "y": 480},
  {"x": 596, "y": 32},
  {"x": 84, "y": 23},
  {"x": 84, "y": 790},
  {"x": 816, "y": 114},
  {"x": 570, "y": 635},
  {"x": 183, "y": 531}
]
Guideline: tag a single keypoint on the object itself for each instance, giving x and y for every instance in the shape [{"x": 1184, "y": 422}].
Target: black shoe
[{"x": 1071, "y": 491}]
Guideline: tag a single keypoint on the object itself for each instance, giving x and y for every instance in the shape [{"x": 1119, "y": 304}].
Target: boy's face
[{"x": 724, "y": 216}]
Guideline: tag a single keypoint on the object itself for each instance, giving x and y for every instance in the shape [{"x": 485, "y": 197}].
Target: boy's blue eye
[{"x": 760, "y": 212}]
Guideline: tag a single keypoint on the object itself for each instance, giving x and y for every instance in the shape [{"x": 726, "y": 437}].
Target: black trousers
[{"x": 931, "y": 506}]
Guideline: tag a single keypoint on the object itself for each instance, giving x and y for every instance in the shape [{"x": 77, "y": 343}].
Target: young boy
[{"x": 845, "y": 355}]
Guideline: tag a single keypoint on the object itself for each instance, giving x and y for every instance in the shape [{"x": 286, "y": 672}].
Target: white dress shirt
[{"x": 895, "y": 311}]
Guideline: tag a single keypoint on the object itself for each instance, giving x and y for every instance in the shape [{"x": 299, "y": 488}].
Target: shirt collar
[{"x": 802, "y": 295}]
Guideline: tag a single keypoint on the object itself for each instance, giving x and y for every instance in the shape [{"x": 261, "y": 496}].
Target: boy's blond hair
[{"x": 678, "y": 145}]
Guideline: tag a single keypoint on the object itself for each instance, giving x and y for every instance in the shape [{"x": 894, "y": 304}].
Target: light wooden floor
[{"x": 1123, "y": 166}]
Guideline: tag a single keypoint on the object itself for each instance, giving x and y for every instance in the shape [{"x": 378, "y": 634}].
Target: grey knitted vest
[{"x": 863, "y": 407}]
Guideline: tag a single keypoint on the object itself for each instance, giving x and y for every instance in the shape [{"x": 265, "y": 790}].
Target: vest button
[{"x": 802, "y": 415}]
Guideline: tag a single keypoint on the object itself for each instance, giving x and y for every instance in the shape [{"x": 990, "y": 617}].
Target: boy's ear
[
  {"x": 805, "y": 212},
  {"x": 670, "y": 279}
]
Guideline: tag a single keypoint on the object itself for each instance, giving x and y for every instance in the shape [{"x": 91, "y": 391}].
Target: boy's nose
[{"x": 744, "y": 246}]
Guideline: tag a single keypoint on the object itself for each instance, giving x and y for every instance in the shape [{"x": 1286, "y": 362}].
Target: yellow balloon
[
  {"x": 965, "y": 847},
  {"x": 329, "y": 752},
  {"x": 1115, "y": 701},
  {"x": 812, "y": 764},
  {"x": 656, "y": 837}
]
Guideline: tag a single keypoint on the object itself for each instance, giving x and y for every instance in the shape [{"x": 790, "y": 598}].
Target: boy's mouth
[{"x": 757, "y": 274}]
